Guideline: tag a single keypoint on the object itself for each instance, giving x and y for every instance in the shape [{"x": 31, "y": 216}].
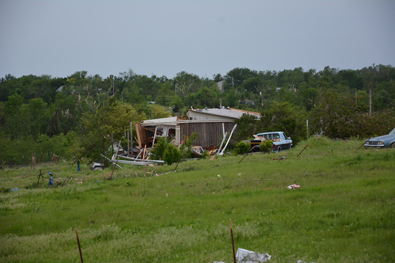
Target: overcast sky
[{"x": 60, "y": 37}]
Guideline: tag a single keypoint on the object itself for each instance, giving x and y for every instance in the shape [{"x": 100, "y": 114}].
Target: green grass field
[{"x": 344, "y": 210}]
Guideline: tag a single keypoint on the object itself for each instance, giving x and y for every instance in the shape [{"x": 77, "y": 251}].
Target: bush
[
  {"x": 171, "y": 154},
  {"x": 242, "y": 148},
  {"x": 159, "y": 149},
  {"x": 186, "y": 147},
  {"x": 266, "y": 146}
]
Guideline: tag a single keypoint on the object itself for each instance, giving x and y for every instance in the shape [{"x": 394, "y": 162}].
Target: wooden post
[
  {"x": 113, "y": 169},
  {"x": 38, "y": 177},
  {"x": 182, "y": 154},
  {"x": 302, "y": 150},
  {"x": 79, "y": 246},
  {"x": 131, "y": 136},
  {"x": 370, "y": 102},
  {"x": 247, "y": 153},
  {"x": 127, "y": 148},
  {"x": 34, "y": 160},
  {"x": 362, "y": 145},
  {"x": 145, "y": 150},
  {"x": 233, "y": 244}
]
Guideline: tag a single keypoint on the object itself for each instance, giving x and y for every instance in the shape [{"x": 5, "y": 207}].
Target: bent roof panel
[{"x": 226, "y": 112}]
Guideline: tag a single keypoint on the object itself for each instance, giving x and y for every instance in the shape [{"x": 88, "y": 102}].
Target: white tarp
[{"x": 247, "y": 256}]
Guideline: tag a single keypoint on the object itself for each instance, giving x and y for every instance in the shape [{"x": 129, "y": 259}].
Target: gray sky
[{"x": 165, "y": 37}]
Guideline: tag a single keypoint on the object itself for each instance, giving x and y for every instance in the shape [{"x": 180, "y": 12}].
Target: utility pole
[
  {"x": 307, "y": 128},
  {"x": 370, "y": 102}
]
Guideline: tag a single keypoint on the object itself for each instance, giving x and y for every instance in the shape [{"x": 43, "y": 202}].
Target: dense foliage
[{"x": 85, "y": 109}]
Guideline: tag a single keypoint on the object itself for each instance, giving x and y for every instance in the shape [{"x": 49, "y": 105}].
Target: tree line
[{"x": 82, "y": 110}]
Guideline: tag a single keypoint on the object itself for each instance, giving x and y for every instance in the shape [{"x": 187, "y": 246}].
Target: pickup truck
[{"x": 280, "y": 140}]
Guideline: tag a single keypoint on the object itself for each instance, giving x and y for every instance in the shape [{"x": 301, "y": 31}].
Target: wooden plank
[
  {"x": 141, "y": 135},
  {"x": 210, "y": 133}
]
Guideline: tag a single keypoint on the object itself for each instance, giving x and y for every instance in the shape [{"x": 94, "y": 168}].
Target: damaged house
[{"x": 211, "y": 125}]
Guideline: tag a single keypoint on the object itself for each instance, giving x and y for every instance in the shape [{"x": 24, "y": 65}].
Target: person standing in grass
[{"x": 50, "y": 182}]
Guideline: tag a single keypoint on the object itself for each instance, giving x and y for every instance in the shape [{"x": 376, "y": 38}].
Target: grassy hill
[{"x": 344, "y": 210}]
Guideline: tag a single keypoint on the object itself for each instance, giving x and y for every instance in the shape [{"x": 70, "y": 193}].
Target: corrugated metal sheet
[{"x": 214, "y": 113}]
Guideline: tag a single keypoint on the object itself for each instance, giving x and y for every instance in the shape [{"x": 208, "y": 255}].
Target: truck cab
[{"x": 280, "y": 140}]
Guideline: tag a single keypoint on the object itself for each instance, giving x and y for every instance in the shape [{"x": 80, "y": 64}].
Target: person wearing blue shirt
[{"x": 50, "y": 182}]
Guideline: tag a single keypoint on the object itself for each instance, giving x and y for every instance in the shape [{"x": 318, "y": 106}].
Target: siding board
[{"x": 210, "y": 133}]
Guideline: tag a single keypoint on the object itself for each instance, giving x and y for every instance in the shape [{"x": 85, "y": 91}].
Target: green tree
[
  {"x": 283, "y": 116},
  {"x": 247, "y": 126},
  {"x": 186, "y": 83},
  {"x": 231, "y": 98},
  {"x": 205, "y": 97},
  {"x": 237, "y": 76},
  {"x": 253, "y": 85},
  {"x": 38, "y": 116},
  {"x": 16, "y": 117},
  {"x": 104, "y": 127},
  {"x": 339, "y": 116}
]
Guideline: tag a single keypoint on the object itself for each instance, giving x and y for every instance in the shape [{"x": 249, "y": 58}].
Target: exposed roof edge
[{"x": 181, "y": 122}]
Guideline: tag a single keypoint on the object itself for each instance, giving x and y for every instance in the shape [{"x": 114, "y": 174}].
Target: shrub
[
  {"x": 266, "y": 146},
  {"x": 159, "y": 149},
  {"x": 186, "y": 147},
  {"x": 242, "y": 147},
  {"x": 171, "y": 154}
]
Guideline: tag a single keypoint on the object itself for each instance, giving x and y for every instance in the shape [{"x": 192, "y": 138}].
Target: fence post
[
  {"x": 34, "y": 160},
  {"x": 79, "y": 247},
  {"x": 302, "y": 150},
  {"x": 233, "y": 244}
]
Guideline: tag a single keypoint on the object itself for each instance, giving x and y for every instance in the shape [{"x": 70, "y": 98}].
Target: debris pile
[
  {"x": 293, "y": 186},
  {"x": 244, "y": 255}
]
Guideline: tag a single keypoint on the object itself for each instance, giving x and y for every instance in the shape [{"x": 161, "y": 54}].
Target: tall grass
[{"x": 343, "y": 211}]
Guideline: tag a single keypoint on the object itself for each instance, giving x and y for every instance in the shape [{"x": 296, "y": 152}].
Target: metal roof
[{"x": 226, "y": 112}]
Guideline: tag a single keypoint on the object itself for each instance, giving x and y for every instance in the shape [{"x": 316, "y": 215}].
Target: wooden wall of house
[
  {"x": 210, "y": 133},
  {"x": 141, "y": 135}
]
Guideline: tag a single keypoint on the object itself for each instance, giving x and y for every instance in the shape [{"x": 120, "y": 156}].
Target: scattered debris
[
  {"x": 14, "y": 189},
  {"x": 110, "y": 161},
  {"x": 197, "y": 150},
  {"x": 136, "y": 161},
  {"x": 293, "y": 186},
  {"x": 244, "y": 255},
  {"x": 97, "y": 166},
  {"x": 230, "y": 136},
  {"x": 282, "y": 158},
  {"x": 218, "y": 175}
]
